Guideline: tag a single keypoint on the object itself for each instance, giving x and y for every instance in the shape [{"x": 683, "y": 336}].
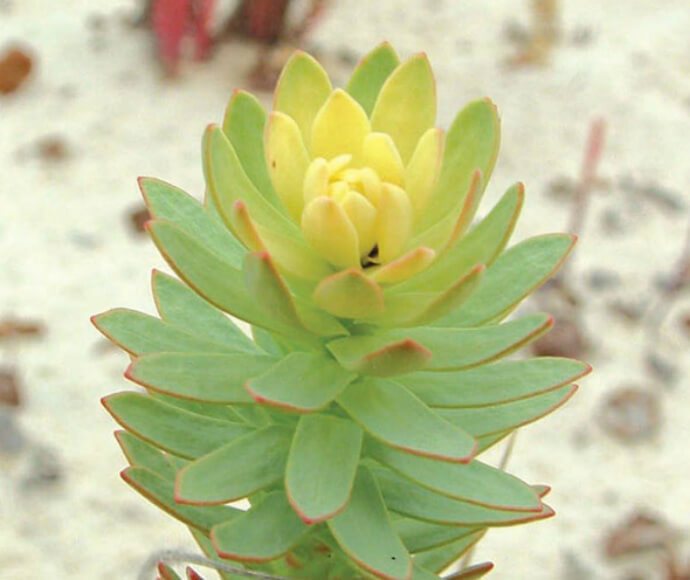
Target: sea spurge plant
[{"x": 339, "y": 226}]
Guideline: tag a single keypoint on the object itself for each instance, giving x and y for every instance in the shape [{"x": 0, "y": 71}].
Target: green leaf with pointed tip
[
  {"x": 471, "y": 143},
  {"x": 438, "y": 559},
  {"x": 452, "y": 298},
  {"x": 392, "y": 414},
  {"x": 213, "y": 378},
  {"x": 229, "y": 183},
  {"x": 213, "y": 278},
  {"x": 142, "y": 454},
  {"x": 371, "y": 72},
  {"x": 499, "y": 382},
  {"x": 161, "y": 492},
  {"x": 301, "y": 381},
  {"x": 169, "y": 203},
  {"x": 370, "y": 355},
  {"x": 182, "y": 307},
  {"x": 223, "y": 412},
  {"x": 481, "y": 245},
  {"x": 473, "y": 482},
  {"x": 473, "y": 572},
  {"x": 450, "y": 348},
  {"x": 507, "y": 416},
  {"x": 365, "y": 532},
  {"x": 209, "y": 551},
  {"x": 264, "y": 532},
  {"x": 302, "y": 89},
  {"x": 243, "y": 125},
  {"x": 322, "y": 465},
  {"x": 171, "y": 428},
  {"x": 405, "y": 497},
  {"x": 517, "y": 273},
  {"x": 236, "y": 470},
  {"x": 265, "y": 283},
  {"x": 409, "y": 93},
  {"x": 418, "y": 535},
  {"x": 167, "y": 573},
  {"x": 139, "y": 333},
  {"x": 349, "y": 294}
]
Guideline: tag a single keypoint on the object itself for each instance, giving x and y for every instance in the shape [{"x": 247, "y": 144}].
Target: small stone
[
  {"x": 9, "y": 388},
  {"x": 12, "y": 440},
  {"x": 138, "y": 218},
  {"x": 564, "y": 339},
  {"x": 15, "y": 67},
  {"x": 603, "y": 279},
  {"x": 45, "y": 469},
  {"x": 631, "y": 415},
  {"x": 640, "y": 532},
  {"x": 11, "y": 328},
  {"x": 52, "y": 149}
]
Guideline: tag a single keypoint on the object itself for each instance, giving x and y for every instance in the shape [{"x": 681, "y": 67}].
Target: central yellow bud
[{"x": 355, "y": 184}]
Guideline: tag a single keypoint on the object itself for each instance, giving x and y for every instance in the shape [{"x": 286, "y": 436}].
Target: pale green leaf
[{"x": 370, "y": 74}]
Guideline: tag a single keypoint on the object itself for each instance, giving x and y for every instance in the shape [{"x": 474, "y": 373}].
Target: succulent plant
[{"x": 339, "y": 227}]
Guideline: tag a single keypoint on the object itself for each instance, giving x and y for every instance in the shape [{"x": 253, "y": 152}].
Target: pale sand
[{"x": 66, "y": 252}]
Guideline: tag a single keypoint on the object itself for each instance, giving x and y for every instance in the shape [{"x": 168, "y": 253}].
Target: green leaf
[
  {"x": 229, "y": 183},
  {"x": 507, "y": 416},
  {"x": 499, "y": 382},
  {"x": 409, "y": 93},
  {"x": 372, "y": 355},
  {"x": 185, "y": 309},
  {"x": 418, "y": 535},
  {"x": 223, "y": 412},
  {"x": 161, "y": 492},
  {"x": 142, "y": 454},
  {"x": 440, "y": 348},
  {"x": 481, "y": 245},
  {"x": 167, "y": 573},
  {"x": 302, "y": 89},
  {"x": 301, "y": 381},
  {"x": 139, "y": 333},
  {"x": 322, "y": 465},
  {"x": 267, "y": 342},
  {"x": 410, "y": 499},
  {"x": 236, "y": 470},
  {"x": 365, "y": 532},
  {"x": 213, "y": 378},
  {"x": 265, "y": 283},
  {"x": 169, "y": 203},
  {"x": 264, "y": 532},
  {"x": 473, "y": 572},
  {"x": 473, "y": 482},
  {"x": 517, "y": 273},
  {"x": 243, "y": 125},
  {"x": 438, "y": 559},
  {"x": 171, "y": 428},
  {"x": 210, "y": 552},
  {"x": 392, "y": 414},
  {"x": 371, "y": 72},
  {"x": 349, "y": 294},
  {"x": 483, "y": 443},
  {"x": 471, "y": 143}
]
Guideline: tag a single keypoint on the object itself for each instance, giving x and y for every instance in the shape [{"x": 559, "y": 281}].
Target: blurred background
[{"x": 595, "y": 105}]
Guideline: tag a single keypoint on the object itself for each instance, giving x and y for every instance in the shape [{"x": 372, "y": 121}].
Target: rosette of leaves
[{"x": 342, "y": 228}]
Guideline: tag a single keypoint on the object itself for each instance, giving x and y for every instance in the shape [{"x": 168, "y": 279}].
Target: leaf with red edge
[
  {"x": 246, "y": 465},
  {"x": 170, "y": 19},
  {"x": 392, "y": 414},
  {"x": 165, "y": 572},
  {"x": 349, "y": 294},
  {"x": 160, "y": 491},
  {"x": 192, "y": 574},
  {"x": 322, "y": 465},
  {"x": 439, "y": 558},
  {"x": 302, "y": 382},
  {"x": 262, "y": 533},
  {"x": 365, "y": 532},
  {"x": 474, "y": 482},
  {"x": 473, "y": 572},
  {"x": 372, "y": 355},
  {"x": 407, "y": 498}
]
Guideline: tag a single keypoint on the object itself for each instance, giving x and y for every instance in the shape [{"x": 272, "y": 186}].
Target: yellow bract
[{"x": 356, "y": 186}]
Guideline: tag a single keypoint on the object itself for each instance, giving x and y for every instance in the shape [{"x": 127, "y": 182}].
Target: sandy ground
[{"x": 67, "y": 251}]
